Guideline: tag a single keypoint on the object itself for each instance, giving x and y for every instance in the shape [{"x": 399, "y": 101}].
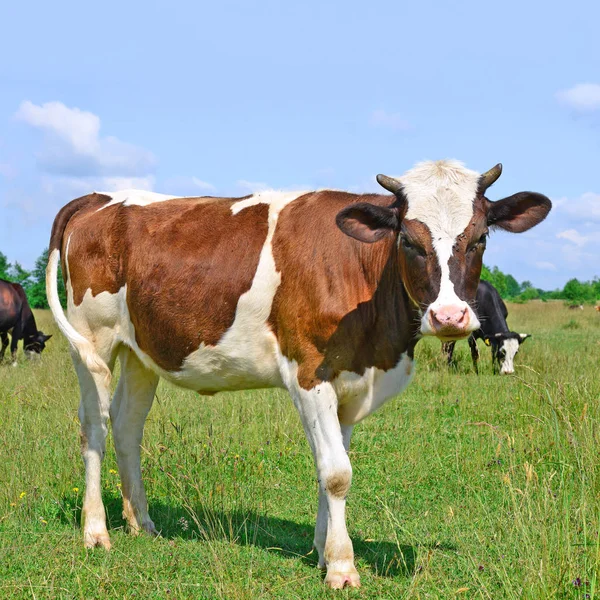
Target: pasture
[{"x": 464, "y": 486}]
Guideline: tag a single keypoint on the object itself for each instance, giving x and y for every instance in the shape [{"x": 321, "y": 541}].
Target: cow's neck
[
  {"x": 394, "y": 320},
  {"x": 28, "y": 324},
  {"x": 380, "y": 330}
]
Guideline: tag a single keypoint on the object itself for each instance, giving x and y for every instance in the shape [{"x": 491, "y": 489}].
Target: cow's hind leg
[
  {"x": 4, "y": 340},
  {"x": 129, "y": 409},
  {"x": 93, "y": 415},
  {"x": 318, "y": 412}
]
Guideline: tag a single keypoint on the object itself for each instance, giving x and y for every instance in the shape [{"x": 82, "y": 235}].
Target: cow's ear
[
  {"x": 367, "y": 222},
  {"x": 523, "y": 337},
  {"x": 519, "y": 212},
  {"x": 487, "y": 341}
]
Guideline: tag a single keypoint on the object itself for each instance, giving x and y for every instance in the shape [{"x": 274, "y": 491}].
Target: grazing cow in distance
[
  {"x": 597, "y": 308},
  {"x": 494, "y": 331},
  {"x": 17, "y": 319},
  {"x": 575, "y": 306},
  {"x": 322, "y": 293}
]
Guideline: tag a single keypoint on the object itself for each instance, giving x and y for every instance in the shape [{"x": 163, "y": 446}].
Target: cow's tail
[{"x": 79, "y": 344}]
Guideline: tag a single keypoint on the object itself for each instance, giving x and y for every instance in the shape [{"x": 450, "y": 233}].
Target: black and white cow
[
  {"x": 17, "y": 319},
  {"x": 494, "y": 331}
]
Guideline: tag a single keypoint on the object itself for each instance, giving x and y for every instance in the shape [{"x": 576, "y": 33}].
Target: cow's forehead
[{"x": 440, "y": 194}]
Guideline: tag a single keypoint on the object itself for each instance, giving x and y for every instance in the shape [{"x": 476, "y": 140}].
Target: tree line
[{"x": 574, "y": 291}]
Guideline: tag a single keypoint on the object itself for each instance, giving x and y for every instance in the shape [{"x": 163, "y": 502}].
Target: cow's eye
[
  {"x": 479, "y": 244},
  {"x": 412, "y": 247}
]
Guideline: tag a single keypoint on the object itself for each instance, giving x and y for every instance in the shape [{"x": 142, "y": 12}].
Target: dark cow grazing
[
  {"x": 17, "y": 319},
  {"x": 575, "y": 306},
  {"x": 494, "y": 331},
  {"x": 322, "y": 293}
]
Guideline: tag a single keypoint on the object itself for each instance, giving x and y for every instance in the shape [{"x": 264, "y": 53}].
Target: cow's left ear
[
  {"x": 519, "y": 212},
  {"x": 45, "y": 337},
  {"x": 523, "y": 337},
  {"x": 367, "y": 222}
]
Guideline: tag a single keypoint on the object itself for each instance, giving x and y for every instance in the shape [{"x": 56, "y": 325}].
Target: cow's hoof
[
  {"x": 147, "y": 527},
  {"x": 337, "y": 581},
  {"x": 96, "y": 539}
]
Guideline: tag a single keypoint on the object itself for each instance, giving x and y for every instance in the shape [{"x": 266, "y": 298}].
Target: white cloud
[
  {"x": 545, "y": 265},
  {"x": 382, "y": 118},
  {"x": 583, "y": 97},
  {"x": 252, "y": 186},
  {"x": 73, "y": 144},
  {"x": 584, "y": 209},
  {"x": 203, "y": 185},
  {"x": 67, "y": 188},
  {"x": 573, "y": 236}
]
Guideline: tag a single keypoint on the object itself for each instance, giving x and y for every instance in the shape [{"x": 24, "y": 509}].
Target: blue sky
[{"x": 227, "y": 97}]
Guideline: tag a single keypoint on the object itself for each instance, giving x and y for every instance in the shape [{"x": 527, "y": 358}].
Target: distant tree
[
  {"x": 526, "y": 284},
  {"x": 20, "y": 275},
  {"x": 36, "y": 294},
  {"x": 576, "y": 291},
  {"x": 512, "y": 287},
  {"x": 486, "y": 274},
  {"x": 4, "y": 266}
]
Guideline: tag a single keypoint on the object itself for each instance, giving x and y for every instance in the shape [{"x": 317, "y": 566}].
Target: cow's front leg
[
  {"x": 474, "y": 352},
  {"x": 323, "y": 512},
  {"x": 318, "y": 412}
]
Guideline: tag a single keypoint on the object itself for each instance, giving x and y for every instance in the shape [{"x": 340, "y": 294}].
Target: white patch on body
[
  {"x": 361, "y": 395},
  {"x": 440, "y": 194},
  {"x": 510, "y": 347},
  {"x": 134, "y": 198}
]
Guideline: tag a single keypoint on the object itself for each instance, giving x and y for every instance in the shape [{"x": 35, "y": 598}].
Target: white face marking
[
  {"x": 510, "y": 347},
  {"x": 134, "y": 198},
  {"x": 440, "y": 194}
]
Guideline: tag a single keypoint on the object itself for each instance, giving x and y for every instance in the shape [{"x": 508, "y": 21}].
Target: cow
[
  {"x": 322, "y": 293},
  {"x": 492, "y": 313},
  {"x": 17, "y": 319},
  {"x": 597, "y": 308},
  {"x": 575, "y": 306}
]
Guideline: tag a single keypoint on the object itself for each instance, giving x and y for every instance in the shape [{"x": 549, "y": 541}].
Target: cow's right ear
[
  {"x": 367, "y": 222},
  {"x": 518, "y": 212}
]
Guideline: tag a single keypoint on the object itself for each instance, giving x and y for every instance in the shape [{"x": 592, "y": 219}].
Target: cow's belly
[
  {"x": 244, "y": 358},
  {"x": 360, "y": 395}
]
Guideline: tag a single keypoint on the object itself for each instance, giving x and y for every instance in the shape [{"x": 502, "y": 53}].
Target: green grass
[{"x": 464, "y": 486}]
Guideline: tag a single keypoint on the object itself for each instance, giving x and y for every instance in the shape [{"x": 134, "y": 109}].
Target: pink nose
[{"x": 449, "y": 319}]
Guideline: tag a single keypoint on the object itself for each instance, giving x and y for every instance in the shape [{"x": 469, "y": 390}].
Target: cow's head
[
  {"x": 441, "y": 218},
  {"x": 33, "y": 345},
  {"x": 504, "y": 349}
]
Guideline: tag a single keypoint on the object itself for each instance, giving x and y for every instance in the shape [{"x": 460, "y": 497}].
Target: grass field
[{"x": 465, "y": 486}]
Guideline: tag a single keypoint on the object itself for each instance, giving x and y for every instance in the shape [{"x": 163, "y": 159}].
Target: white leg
[
  {"x": 93, "y": 415},
  {"x": 323, "y": 512},
  {"x": 129, "y": 409},
  {"x": 318, "y": 412}
]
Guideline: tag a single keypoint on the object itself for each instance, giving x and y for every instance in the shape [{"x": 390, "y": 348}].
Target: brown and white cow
[{"x": 322, "y": 293}]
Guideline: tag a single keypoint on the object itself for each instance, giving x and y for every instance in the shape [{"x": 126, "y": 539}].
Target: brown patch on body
[
  {"x": 185, "y": 262},
  {"x": 341, "y": 305}
]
